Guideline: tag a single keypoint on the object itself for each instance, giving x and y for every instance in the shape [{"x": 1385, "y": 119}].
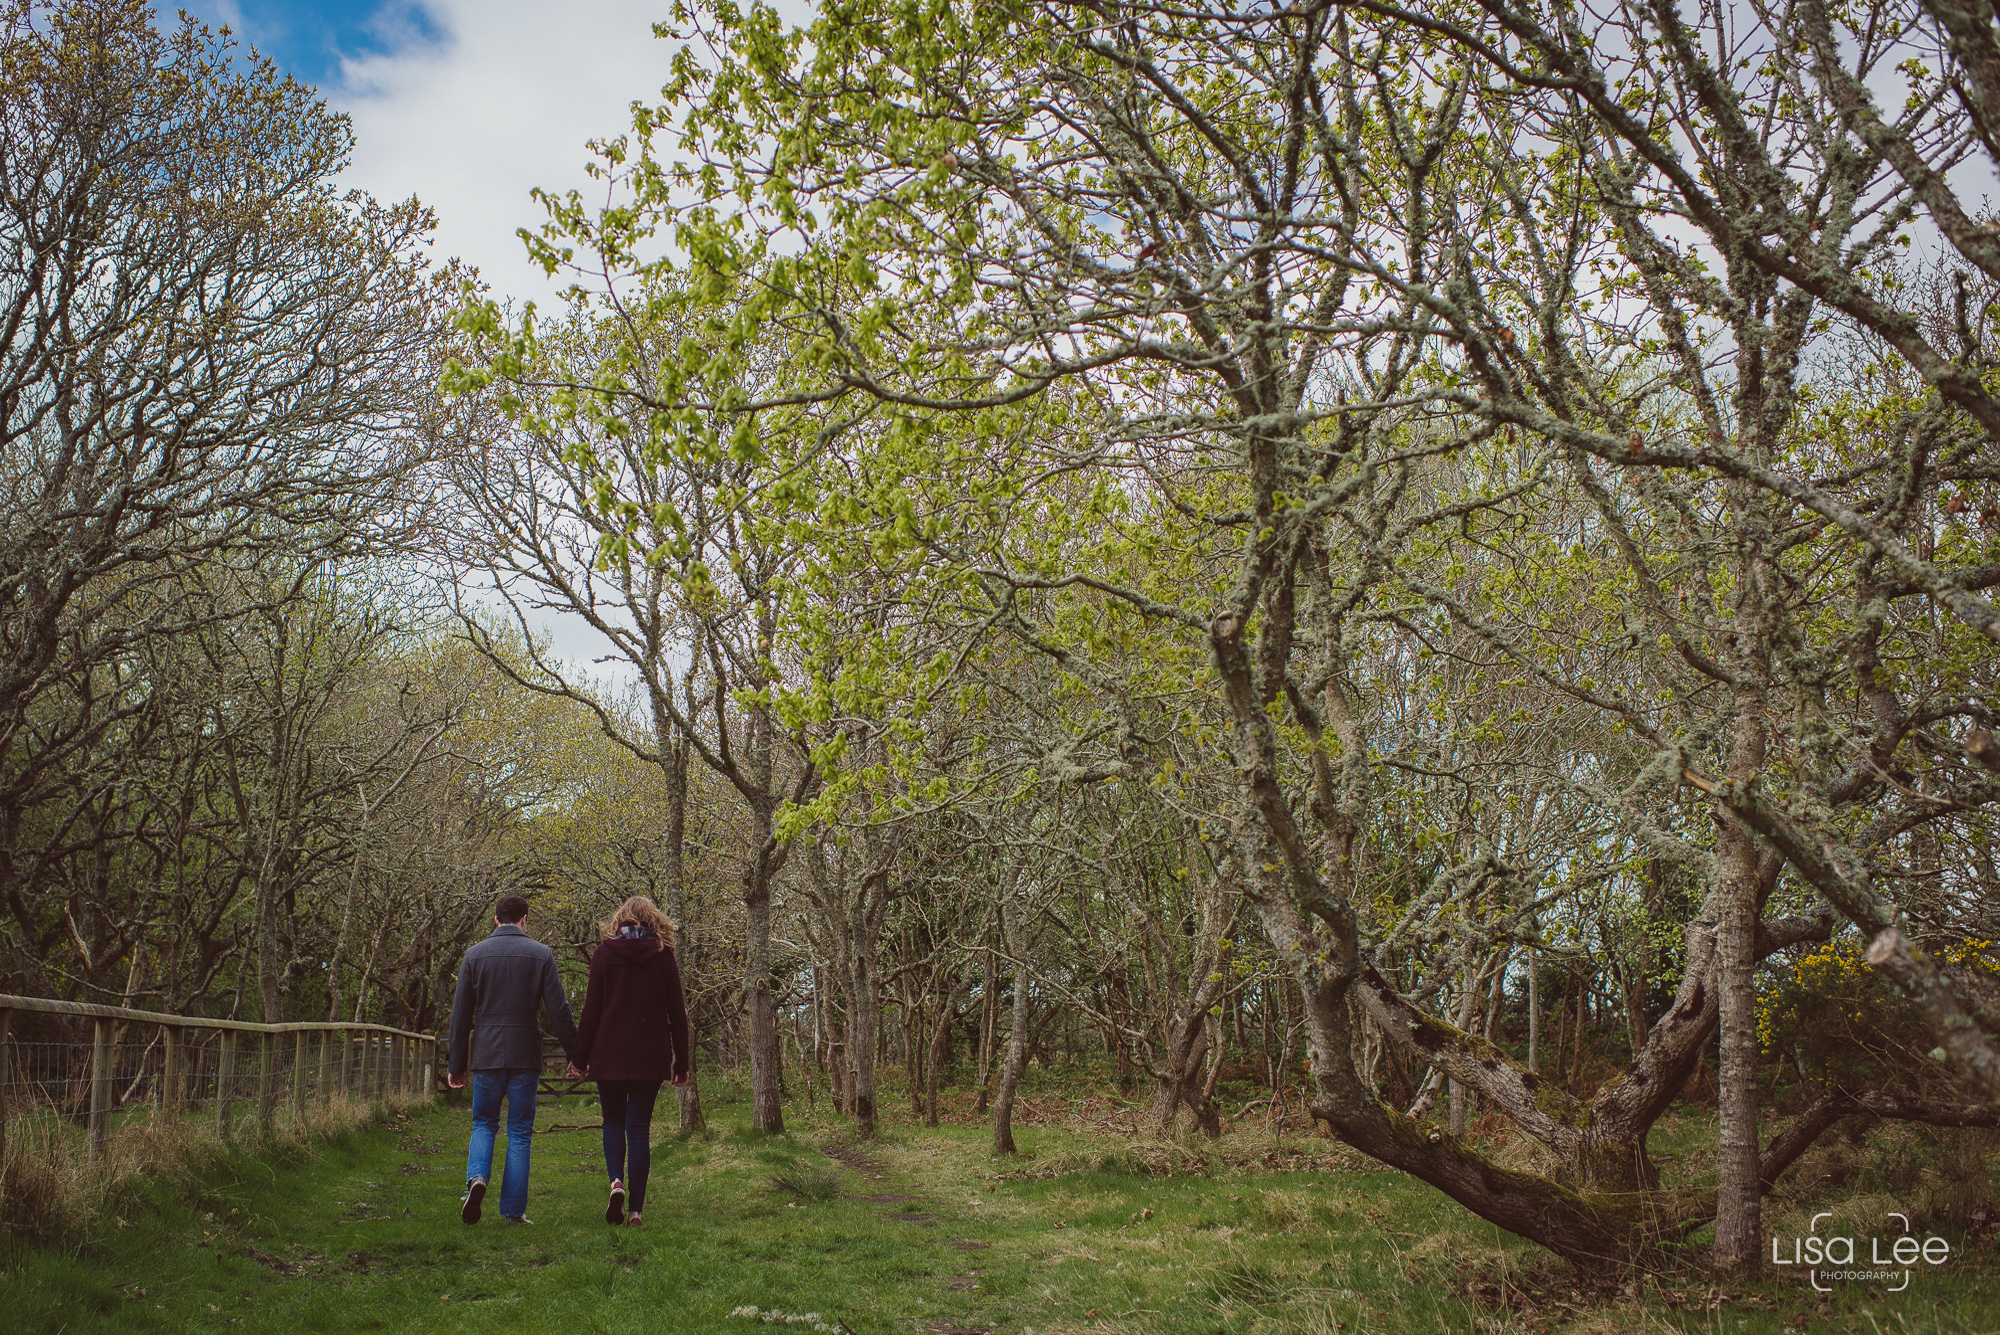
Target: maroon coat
[{"x": 635, "y": 1023}]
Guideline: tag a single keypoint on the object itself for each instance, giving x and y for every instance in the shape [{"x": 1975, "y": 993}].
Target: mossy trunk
[
  {"x": 989, "y": 1023},
  {"x": 864, "y": 1002},
  {"x": 766, "y": 1106},
  {"x": 1179, "y": 1081},
  {"x": 939, "y": 1051},
  {"x": 1017, "y": 1033}
]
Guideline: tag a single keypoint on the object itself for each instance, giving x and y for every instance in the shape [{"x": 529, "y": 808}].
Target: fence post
[
  {"x": 170, "y": 1068},
  {"x": 225, "y": 1071},
  {"x": 100, "y": 1086},
  {"x": 323, "y": 1076},
  {"x": 267, "y": 1081},
  {"x": 298, "y": 1075},
  {"x": 6, "y": 1023}
]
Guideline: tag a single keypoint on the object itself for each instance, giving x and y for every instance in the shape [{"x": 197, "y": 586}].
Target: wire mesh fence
[{"x": 73, "y": 1075}]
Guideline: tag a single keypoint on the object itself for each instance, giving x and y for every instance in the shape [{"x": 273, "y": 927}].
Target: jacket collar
[{"x": 508, "y": 929}]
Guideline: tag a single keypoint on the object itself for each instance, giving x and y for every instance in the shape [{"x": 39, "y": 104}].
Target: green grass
[{"x": 920, "y": 1231}]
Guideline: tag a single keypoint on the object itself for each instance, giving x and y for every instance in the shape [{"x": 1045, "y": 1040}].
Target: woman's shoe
[
  {"x": 614, "y": 1213},
  {"x": 632, "y": 1220}
]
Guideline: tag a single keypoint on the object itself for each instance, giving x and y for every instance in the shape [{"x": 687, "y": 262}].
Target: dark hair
[{"x": 511, "y": 908}]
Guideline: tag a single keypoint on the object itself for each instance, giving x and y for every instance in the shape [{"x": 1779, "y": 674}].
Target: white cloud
[
  {"x": 505, "y": 104},
  {"x": 470, "y": 124}
]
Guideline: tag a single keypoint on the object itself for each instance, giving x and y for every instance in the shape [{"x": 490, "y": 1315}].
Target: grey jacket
[{"x": 502, "y": 981}]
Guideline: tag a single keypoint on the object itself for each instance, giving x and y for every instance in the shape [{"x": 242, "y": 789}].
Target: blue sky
[
  {"x": 308, "y": 38},
  {"x": 467, "y": 104}
]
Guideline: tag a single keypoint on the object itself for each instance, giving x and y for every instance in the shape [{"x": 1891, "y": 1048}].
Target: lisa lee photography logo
[{"x": 1889, "y": 1261}]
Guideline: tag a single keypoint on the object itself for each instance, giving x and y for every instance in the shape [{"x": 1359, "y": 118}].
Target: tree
[
  {"x": 1802, "y": 193},
  {"x": 1202, "y": 251},
  {"x": 1245, "y": 349},
  {"x": 1271, "y": 284},
  {"x": 207, "y": 353},
  {"x": 674, "y": 547}
]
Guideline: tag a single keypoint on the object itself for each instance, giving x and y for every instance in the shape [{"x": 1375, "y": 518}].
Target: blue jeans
[
  {"x": 518, "y": 1088},
  {"x": 628, "y": 1134}
]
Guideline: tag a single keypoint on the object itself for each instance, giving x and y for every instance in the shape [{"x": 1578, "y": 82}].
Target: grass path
[{"x": 921, "y": 1233}]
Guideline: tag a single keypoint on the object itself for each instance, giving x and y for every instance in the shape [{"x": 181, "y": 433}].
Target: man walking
[{"x": 501, "y": 982}]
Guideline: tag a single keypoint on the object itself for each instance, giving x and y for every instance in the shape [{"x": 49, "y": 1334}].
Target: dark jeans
[{"x": 628, "y": 1134}]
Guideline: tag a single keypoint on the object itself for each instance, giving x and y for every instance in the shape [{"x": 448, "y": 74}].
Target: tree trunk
[
  {"x": 863, "y": 1021},
  {"x": 1017, "y": 1034},
  {"x": 989, "y": 1022},
  {"x": 1738, "y": 1225},
  {"x": 338, "y": 960},
  {"x": 276, "y": 787},
  {"x": 767, "y": 1112},
  {"x": 916, "y": 1030},
  {"x": 940, "y": 1051},
  {"x": 268, "y": 966},
  {"x": 833, "y": 1049},
  {"x": 1179, "y": 1080},
  {"x": 1738, "y": 1222},
  {"x": 1534, "y": 1009},
  {"x": 1576, "y": 1044},
  {"x": 674, "y": 753},
  {"x": 1562, "y": 1032},
  {"x": 1458, "y": 1098},
  {"x": 1652, "y": 899},
  {"x": 1209, "y": 1114},
  {"x": 383, "y": 923}
]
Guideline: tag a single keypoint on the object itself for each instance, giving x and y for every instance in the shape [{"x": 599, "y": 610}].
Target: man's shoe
[
  {"x": 614, "y": 1213},
  {"x": 632, "y": 1220},
  {"x": 515, "y": 1219},
  {"x": 475, "y": 1192}
]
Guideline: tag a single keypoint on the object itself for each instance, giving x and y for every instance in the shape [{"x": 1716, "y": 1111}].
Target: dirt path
[{"x": 872, "y": 1168}]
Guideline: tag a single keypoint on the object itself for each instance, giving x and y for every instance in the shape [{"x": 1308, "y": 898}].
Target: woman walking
[{"x": 633, "y": 1035}]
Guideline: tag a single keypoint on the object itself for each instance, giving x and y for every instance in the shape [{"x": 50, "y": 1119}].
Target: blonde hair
[{"x": 643, "y": 911}]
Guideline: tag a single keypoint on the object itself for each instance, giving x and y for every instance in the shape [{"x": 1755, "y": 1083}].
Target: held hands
[{"x": 576, "y": 1074}]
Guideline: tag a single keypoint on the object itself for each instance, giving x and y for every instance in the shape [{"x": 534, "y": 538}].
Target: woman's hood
[{"x": 635, "y": 944}]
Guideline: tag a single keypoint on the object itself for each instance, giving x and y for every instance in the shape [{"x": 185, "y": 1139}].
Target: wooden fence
[{"x": 188, "y": 1063}]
